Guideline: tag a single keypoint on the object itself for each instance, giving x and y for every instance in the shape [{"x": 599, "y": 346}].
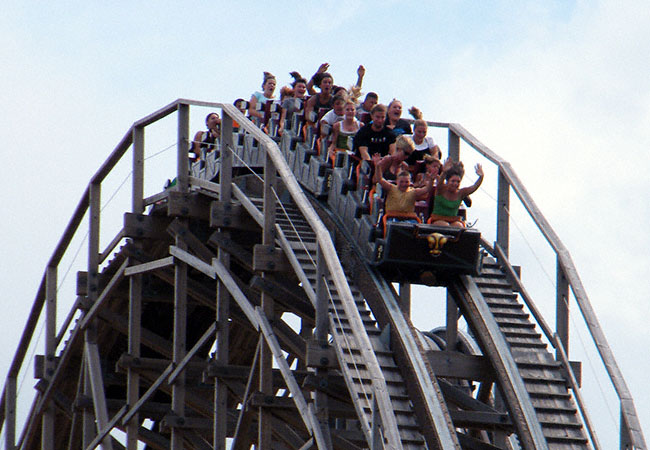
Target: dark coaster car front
[{"x": 426, "y": 254}]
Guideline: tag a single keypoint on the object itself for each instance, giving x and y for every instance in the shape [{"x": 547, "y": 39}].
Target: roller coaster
[{"x": 254, "y": 303}]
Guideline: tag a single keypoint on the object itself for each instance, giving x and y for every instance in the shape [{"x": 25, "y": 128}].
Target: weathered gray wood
[
  {"x": 144, "y": 226},
  {"x": 562, "y": 356},
  {"x": 241, "y": 438},
  {"x": 47, "y": 438},
  {"x": 149, "y": 266},
  {"x": 524, "y": 417},
  {"x": 188, "y": 205},
  {"x": 182, "y": 152},
  {"x": 562, "y": 306},
  {"x": 180, "y": 335},
  {"x": 269, "y": 258},
  {"x": 134, "y": 342},
  {"x": 503, "y": 212},
  {"x": 10, "y": 413},
  {"x": 458, "y": 365},
  {"x": 103, "y": 298},
  {"x": 453, "y": 144},
  {"x": 207, "y": 335},
  {"x": 101, "y": 436},
  {"x": 97, "y": 386},
  {"x": 514, "y": 278},
  {"x": 147, "y": 395},
  {"x": 137, "y": 193},
  {"x": 111, "y": 246}
]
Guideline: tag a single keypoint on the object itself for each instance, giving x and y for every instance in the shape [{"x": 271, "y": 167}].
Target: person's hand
[
  {"x": 376, "y": 158},
  {"x": 447, "y": 165},
  {"x": 479, "y": 170},
  {"x": 361, "y": 71},
  {"x": 323, "y": 68}
]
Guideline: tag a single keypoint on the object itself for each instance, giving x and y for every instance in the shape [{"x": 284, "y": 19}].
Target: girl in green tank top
[{"x": 448, "y": 194}]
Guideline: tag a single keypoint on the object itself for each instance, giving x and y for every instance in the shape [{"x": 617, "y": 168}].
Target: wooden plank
[
  {"x": 192, "y": 261},
  {"x": 293, "y": 300},
  {"x": 269, "y": 258},
  {"x": 96, "y": 378},
  {"x": 144, "y": 226},
  {"x": 231, "y": 215},
  {"x": 108, "y": 428},
  {"x": 458, "y": 365},
  {"x": 208, "y": 334},
  {"x": 105, "y": 295},
  {"x": 191, "y": 205},
  {"x": 152, "y": 389},
  {"x": 149, "y": 266},
  {"x": 223, "y": 242}
]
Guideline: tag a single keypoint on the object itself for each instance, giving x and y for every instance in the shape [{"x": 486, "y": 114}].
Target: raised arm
[
  {"x": 310, "y": 85},
  {"x": 464, "y": 192},
  {"x": 380, "y": 166},
  {"x": 361, "y": 71}
]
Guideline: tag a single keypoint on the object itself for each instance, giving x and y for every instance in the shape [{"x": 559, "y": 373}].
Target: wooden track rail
[{"x": 187, "y": 318}]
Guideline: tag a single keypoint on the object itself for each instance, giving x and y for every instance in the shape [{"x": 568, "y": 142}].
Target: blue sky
[{"x": 559, "y": 89}]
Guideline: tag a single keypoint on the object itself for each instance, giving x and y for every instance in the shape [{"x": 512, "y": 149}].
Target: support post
[
  {"x": 454, "y": 146},
  {"x": 405, "y": 298},
  {"x": 220, "y": 426},
  {"x": 451, "y": 330},
  {"x": 183, "y": 162},
  {"x": 94, "y": 210},
  {"x": 266, "y": 356},
  {"x": 138, "y": 171},
  {"x": 562, "y": 307},
  {"x": 10, "y": 413},
  {"x": 503, "y": 214},
  {"x": 180, "y": 333},
  {"x": 322, "y": 332},
  {"x": 132, "y": 377},
  {"x": 47, "y": 437}
]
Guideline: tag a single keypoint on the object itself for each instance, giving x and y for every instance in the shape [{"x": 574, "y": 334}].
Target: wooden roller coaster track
[{"x": 241, "y": 310}]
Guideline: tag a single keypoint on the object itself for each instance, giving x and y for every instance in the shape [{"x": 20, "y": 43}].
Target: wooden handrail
[{"x": 628, "y": 410}]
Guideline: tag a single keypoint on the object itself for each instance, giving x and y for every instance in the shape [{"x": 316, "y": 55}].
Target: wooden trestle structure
[{"x": 240, "y": 310}]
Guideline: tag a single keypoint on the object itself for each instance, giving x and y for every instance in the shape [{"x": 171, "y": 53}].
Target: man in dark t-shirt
[{"x": 375, "y": 137}]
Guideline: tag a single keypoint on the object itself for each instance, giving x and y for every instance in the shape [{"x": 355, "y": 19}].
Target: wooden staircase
[
  {"x": 353, "y": 363},
  {"x": 543, "y": 376}
]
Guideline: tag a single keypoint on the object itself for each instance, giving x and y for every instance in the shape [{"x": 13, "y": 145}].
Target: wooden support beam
[
  {"x": 227, "y": 215},
  {"x": 181, "y": 231},
  {"x": 222, "y": 241},
  {"x": 146, "y": 226},
  {"x": 188, "y": 205},
  {"x": 481, "y": 419},
  {"x": 293, "y": 300},
  {"x": 462, "y": 399},
  {"x": 562, "y": 307},
  {"x": 149, "y": 339},
  {"x": 103, "y": 298},
  {"x": 149, "y": 266},
  {"x": 96, "y": 378},
  {"x": 180, "y": 340},
  {"x": 457, "y": 365},
  {"x": 269, "y": 258},
  {"x": 241, "y": 438}
]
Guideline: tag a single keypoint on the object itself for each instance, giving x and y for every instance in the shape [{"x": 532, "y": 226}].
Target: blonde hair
[{"x": 404, "y": 143}]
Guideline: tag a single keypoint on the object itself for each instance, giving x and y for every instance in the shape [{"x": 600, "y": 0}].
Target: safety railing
[
  {"x": 89, "y": 204},
  {"x": 631, "y": 435}
]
